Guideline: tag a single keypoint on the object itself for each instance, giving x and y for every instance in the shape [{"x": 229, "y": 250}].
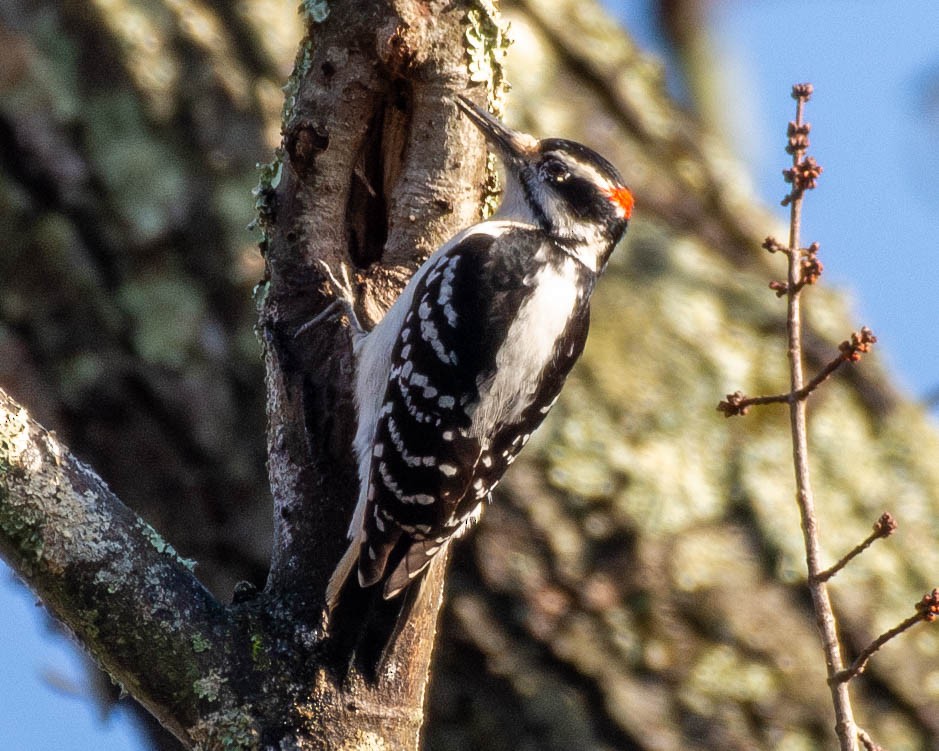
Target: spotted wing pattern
[{"x": 432, "y": 468}]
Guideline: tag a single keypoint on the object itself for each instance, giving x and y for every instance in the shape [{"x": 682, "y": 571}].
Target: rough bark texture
[
  {"x": 118, "y": 586},
  {"x": 374, "y": 171},
  {"x": 637, "y": 584}
]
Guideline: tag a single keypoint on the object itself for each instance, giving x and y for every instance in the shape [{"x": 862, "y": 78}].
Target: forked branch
[
  {"x": 804, "y": 269},
  {"x": 849, "y": 350}
]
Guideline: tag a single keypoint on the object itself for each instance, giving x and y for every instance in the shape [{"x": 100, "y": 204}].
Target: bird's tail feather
[
  {"x": 346, "y": 565},
  {"x": 362, "y": 626}
]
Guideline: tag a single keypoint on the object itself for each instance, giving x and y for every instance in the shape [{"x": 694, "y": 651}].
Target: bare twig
[
  {"x": 868, "y": 742},
  {"x": 885, "y": 526},
  {"x": 927, "y": 610},
  {"x": 803, "y": 176},
  {"x": 849, "y": 350}
]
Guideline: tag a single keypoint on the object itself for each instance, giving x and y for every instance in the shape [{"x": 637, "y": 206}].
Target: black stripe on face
[
  {"x": 583, "y": 198},
  {"x": 584, "y": 182}
]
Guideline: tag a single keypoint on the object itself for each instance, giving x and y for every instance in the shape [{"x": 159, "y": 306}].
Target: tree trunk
[{"x": 374, "y": 172}]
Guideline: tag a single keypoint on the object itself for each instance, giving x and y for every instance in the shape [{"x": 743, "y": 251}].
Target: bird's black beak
[{"x": 512, "y": 145}]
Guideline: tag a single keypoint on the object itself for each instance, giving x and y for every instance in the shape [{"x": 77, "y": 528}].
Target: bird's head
[{"x": 567, "y": 189}]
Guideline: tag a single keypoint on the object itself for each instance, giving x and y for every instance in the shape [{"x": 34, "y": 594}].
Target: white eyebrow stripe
[
  {"x": 591, "y": 173},
  {"x": 586, "y": 171}
]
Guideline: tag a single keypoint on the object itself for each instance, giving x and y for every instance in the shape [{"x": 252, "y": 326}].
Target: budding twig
[
  {"x": 804, "y": 268},
  {"x": 885, "y": 526},
  {"x": 805, "y": 170},
  {"x": 849, "y": 350},
  {"x": 810, "y": 267},
  {"x": 803, "y": 176},
  {"x": 927, "y": 610}
]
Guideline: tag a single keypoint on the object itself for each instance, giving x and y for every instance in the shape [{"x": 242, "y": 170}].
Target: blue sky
[
  {"x": 875, "y": 118},
  {"x": 44, "y": 696},
  {"x": 875, "y": 130}
]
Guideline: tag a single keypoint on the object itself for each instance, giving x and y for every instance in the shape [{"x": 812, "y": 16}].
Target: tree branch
[{"x": 103, "y": 571}]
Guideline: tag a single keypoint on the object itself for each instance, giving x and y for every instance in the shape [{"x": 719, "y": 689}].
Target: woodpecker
[{"x": 472, "y": 356}]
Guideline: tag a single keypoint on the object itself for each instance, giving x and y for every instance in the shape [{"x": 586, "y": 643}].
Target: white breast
[
  {"x": 528, "y": 347},
  {"x": 373, "y": 362}
]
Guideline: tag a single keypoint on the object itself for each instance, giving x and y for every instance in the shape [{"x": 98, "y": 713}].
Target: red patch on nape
[{"x": 623, "y": 199}]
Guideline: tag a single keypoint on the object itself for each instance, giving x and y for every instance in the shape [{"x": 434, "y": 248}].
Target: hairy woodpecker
[{"x": 471, "y": 357}]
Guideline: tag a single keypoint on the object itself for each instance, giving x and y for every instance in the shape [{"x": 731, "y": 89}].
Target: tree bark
[
  {"x": 374, "y": 172},
  {"x": 119, "y": 587}
]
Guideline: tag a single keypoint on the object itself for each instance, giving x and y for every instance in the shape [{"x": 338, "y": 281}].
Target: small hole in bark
[{"x": 304, "y": 143}]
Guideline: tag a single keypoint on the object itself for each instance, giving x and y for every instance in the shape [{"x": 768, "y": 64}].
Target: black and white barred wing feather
[{"x": 481, "y": 347}]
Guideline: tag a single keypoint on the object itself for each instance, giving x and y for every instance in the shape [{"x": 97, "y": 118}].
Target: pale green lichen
[
  {"x": 21, "y": 526},
  {"x": 162, "y": 546},
  {"x": 153, "y": 537},
  {"x": 200, "y": 643},
  {"x": 270, "y": 173},
  {"x": 316, "y": 10},
  {"x": 301, "y": 67},
  {"x": 106, "y": 578},
  {"x": 259, "y": 293},
  {"x": 209, "y": 686},
  {"x": 232, "y": 730},
  {"x": 41, "y": 513},
  {"x": 258, "y": 653},
  {"x": 269, "y": 177},
  {"x": 487, "y": 42},
  {"x": 19, "y": 522}
]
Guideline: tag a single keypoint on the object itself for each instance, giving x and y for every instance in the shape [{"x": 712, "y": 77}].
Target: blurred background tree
[{"x": 637, "y": 584}]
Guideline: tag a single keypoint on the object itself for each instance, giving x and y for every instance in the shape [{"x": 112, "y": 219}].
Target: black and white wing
[{"x": 474, "y": 371}]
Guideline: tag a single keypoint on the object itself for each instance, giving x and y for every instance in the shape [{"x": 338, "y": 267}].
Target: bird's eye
[{"x": 554, "y": 171}]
